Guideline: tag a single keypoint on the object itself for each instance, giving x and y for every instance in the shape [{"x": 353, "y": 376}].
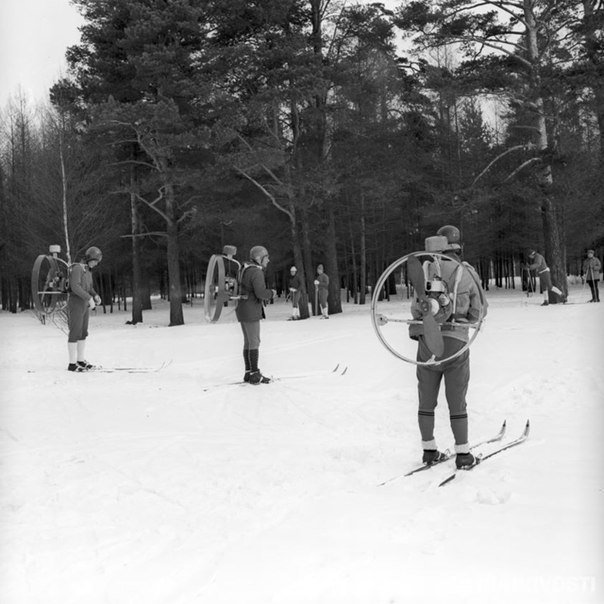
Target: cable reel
[
  {"x": 419, "y": 285},
  {"x": 222, "y": 283},
  {"x": 49, "y": 282}
]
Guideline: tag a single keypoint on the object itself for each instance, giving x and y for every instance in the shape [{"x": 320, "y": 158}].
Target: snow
[{"x": 144, "y": 488}]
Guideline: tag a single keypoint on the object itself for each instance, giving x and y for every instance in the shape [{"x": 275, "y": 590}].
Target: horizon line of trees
[{"x": 303, "y": 125}]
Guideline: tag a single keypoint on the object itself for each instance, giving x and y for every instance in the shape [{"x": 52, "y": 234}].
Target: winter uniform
[
  {"x": 322, "y": 283},
  {"x": 293, "y": 286},
  {"x": 591, "y": 272},
  {"x": 539, "y": 265},
  {"x": 468, "y": 306},
  {"x": 250, "y": 309},
  {"x": 82, "y": 298}
]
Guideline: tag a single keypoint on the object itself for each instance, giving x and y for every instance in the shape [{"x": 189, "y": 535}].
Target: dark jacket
[
  {"x": 294, "y": 282},
  {"x": 591, "y": 269},
  {"x": 80, "y": 282},
  {"x": 253, "y": 291}
]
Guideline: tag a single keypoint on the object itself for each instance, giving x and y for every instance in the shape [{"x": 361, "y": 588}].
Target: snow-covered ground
[{"x": 128, "y": 488}]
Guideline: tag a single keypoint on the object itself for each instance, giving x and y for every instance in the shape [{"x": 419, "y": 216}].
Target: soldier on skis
[
  {"x": 82, "y": 299},
  {"x": 250, "y": 309},
  {"x": 469, "y": 304}
]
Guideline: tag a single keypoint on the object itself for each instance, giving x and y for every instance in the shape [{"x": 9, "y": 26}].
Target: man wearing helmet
[
  {"x": 82, "y": 298},
  {"x": 250, "y": 309},
  {"x": 294, "y": 291},
  {"x": 468, "y": 306}
]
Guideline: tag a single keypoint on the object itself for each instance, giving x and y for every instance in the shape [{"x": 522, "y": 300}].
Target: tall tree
[{"x": 521, "y": 38}]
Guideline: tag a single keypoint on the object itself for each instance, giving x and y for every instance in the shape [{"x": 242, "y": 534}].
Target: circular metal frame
[
  {"x": 217, "y": 290},
  {"x": 379, "y": 319},
  {"x": 49, "y": 279}
]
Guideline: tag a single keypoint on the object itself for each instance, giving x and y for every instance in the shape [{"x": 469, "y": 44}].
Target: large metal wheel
[
  {"x": 391, "y": 313},
  {"x": 48, "y": 284}
]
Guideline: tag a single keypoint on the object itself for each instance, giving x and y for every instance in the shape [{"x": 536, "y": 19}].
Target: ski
[
  {"x": 501, "y": 449},
  {"x": 336, "y": 371},
  {"x": 101, "y": 369},
  {"x": 448, "y": 456}
]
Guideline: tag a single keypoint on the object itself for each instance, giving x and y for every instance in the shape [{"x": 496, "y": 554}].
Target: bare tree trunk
[
  {"x": 137, "y": 302},
  {"x": 176, "y": 314},
  {"x": 363, "y": 259},
  {"x": 335, "y": 292},
  {"x": 552, "y": 225}
]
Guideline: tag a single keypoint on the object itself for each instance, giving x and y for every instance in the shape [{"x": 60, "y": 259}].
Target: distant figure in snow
[
  {"x": 293, "y": 286},
  {"x": 82, "y": 299},
  {"x": 322, "y": 284},
  {"x": 468, "y": 306},
  {"x": 591, "y": 273},
  {"x": 538, "y": 264},
  {"x": 250, "y": 309}
]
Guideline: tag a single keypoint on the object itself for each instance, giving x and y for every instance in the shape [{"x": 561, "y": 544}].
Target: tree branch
[
  {"x": 265, "y": 191},
  {"x": 500, "y": 156}
]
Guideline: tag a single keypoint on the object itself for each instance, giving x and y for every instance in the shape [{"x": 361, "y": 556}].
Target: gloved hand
[
  {"x": 97, "y": 300},
  {"x": 316, "y": 282},
  {"x": 91, "y": 304}
]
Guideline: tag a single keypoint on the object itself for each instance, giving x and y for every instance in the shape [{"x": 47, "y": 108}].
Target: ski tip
[
  {"x": 345, "y": 370},
  {"x": 505, "y": 421},
  {"x": 335, "y": 368}
]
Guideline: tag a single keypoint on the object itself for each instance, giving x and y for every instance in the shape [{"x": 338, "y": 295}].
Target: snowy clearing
[{"x": 143, "y": 488}]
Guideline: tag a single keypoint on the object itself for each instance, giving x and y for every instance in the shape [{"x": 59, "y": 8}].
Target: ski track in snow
[{"x": 125, "y": 488}]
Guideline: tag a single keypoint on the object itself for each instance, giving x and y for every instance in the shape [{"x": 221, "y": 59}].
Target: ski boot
[
  {"x": 432, "y": 456},
  {"x": 85, "y": 365},
  {"x": 76, "y": 368},
  {"x": 464, "y": 461},
  {"x": 246, "y": 376},
  {"x": 257, "y": 378}
]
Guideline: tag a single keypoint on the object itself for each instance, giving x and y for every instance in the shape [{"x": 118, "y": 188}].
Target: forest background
[{"x": 330, "y": 132}]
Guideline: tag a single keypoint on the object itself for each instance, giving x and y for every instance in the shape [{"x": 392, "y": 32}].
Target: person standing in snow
[
  {"x": 293, "y": 286},
  {"x": 250, "y": 309},
  {"x": 81, "y": 300},
  {"x": 470, "y": 305},
  {"x": 537, "y": 263},
  {"x": 591, "y": 273},
  {"x": 322, "y": 284}
]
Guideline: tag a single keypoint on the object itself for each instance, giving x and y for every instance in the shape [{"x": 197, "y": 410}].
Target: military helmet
[
  {"x": 93, "y": 253},
  {"x": 257, "y": 253},
  {"x": 451, "y": 233}
]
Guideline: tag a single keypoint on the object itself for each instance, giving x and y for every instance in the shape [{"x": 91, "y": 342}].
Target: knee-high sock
[
  {"x": 72, "y": 348},
  {"x": 246, "y": 359},
  {"x": 253, "y": 359},
  {"x": 81, "y": 350},
  {"x": 459, "y": 426},
  {"x": 426, "y": 428}
]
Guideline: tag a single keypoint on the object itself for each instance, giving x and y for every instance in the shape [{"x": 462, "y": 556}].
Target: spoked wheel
[
  {"x": 48, "y": 280},
  {"x": 392, "y": 318},
  {"x": 221, "y": 286}
]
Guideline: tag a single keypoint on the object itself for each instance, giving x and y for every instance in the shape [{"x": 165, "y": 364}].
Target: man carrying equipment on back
[
  {"x": 465, "y": 303},
  {"x": 82, "y": 298},
  {"x": 250, "y": 309}
]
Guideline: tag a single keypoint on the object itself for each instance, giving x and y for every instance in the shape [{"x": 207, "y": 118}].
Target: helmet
[
  {"x": 93, "y": 253},
  {"x": 257, "y": 253},
  {"x": 450, "y": 232},
  {"x": 453, "y": 236},
  {"x": 293, "y": 269}
]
